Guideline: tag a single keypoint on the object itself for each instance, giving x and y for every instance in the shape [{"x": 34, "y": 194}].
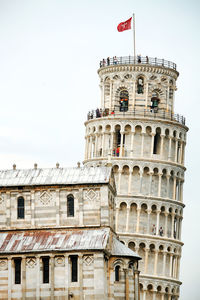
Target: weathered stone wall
[{"x": 47, "y": 207}]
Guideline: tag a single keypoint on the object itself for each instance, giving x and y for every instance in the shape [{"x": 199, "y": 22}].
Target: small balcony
[
  {"x": 137, "y": 60},
  {"x": 136, "y": 113}
]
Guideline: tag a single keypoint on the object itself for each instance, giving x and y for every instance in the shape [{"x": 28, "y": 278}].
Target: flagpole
[{"x": 134, "y": 52}]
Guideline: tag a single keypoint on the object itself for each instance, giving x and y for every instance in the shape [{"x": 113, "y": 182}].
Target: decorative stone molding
[
  {"x": 3, "y": 264},
  {"x": 45, "y": 198},
  {"x": 88, "y": 259},
  {"x": 2, "y": 200},
  {"x": 59, "y": 261},
  {"x": 91, "y": 195},
  {"x": 31, "y": 262}
]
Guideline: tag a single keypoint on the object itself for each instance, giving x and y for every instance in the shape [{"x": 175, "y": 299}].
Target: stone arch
[
  {"x": 149, "y": 293},
  {"x": 127, "y": 139},
  {"x": 144, "y": 219},
  {"x": 136, "y": 180},
  {"x": 124, "y": 180},
  {"x": 147, "y": 140},
  {"x": 133, "y": 217},
  {"x": 153, "y": 219},
  {"x": 151, "y": 258},
  {"x": 137, "y": 140},
  {"x": 155, "y": 182},
  {"x": 160, "y": 260},
  {"x": 140, "y": 84},
  {"x": 132, "y": 246},
  {"x": 122, "y": 217},
  {"x": 141, "y": 253},
  {"x": 145, "y": 181},
  {"x": 117, "y": 94},
  {"x": 164, "y": 187}
]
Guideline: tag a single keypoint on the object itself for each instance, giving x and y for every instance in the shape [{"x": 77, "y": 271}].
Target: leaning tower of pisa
[{"x": 136, "y": 131}]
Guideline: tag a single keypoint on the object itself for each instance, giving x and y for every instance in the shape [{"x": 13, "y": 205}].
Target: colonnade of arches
[
  {"x": 149, "y": 219},
  {"x": 159, "y": 291},
  {"x": 158, "y": 259},
  {"x": 135, "y": 140},
  {"x": 157, "y": 182}
]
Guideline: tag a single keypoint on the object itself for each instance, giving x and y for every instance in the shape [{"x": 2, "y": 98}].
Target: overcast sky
[{"x": 49, "y": 56}]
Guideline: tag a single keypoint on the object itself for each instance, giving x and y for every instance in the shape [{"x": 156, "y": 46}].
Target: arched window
[
  {"x": 155, "y": 101},
  {"x": 20, "y": 208},
  {"x": 70, "y": 206},
  {"x": 123, "y": 100},
  {"x": 140, "y": 85},
  {"x": 117, "y": 268}
]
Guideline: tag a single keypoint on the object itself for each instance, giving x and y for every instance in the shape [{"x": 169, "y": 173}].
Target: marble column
[
  {"x": 126, "y": 284},
  {"x": 176, "y": 150},
  {"x": 148, "y": 220},
  {"x": 136, "y": 285},
  {"x": 127, "y": 218},
  {"x": 138, "y": 219},
  {"x": 159, "y": 183},
  {"x": 155, "y": 262},
  {"x": 166, "y": 218},
  {"x": 172, "y": 230},
  {"x": 152, "y": 142},
  {"x": 161, "y": 145},
  {"x": 170, "y": 148},
  {"x": 157, "y": 221},
  {"x": 121, "y": 144},
  {"x": 129, "y": 182},
  {"x": 164, "y": 264},
  {"x": 117, "y": 217},
  {"x": 174, "y": 188},
  {"x": 142, "y": 144},
  {"x": 146, "y": 260},
  {"x": 119, "y": 181},
  {"x": 132, "y": 142}
]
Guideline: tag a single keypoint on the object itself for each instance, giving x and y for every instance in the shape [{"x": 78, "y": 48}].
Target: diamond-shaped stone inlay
[
  {"x": 88, "y": 260},
  {"x": 45, "y": 198},
  {"x": 31, "y": 262},
  {"x": 91, "y": 194}
]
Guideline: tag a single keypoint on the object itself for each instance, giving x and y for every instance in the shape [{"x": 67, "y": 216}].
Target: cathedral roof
[
  {"x": 51, "y": 240},
  {"x": 52, "y": 176},
  {"x": 119, "y": 249},
  {"x": 31, "y": 241}
]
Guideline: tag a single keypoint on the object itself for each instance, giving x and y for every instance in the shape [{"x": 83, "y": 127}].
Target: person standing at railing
[
  {"x": 139, "y": 58},
  {"x": 104, "y": 62},
  {"x": 114, "y": 60},
  {"x": 108, "y": 61},
  {"x": 147, "y": 59}
]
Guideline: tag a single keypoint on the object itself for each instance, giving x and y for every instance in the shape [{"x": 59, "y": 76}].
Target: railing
[
  {"x": 146, "y": 113},
  {"x": 123, "y": 60}
]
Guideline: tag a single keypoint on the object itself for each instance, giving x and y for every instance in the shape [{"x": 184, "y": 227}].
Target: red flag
[{"x": 124, "y": 25}]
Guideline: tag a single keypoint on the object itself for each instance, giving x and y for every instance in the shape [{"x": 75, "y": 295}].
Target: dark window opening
[
  {"x": 140, "y": 85},
  {"x": 70, "y": 206},
  {"x": 17, "y": 262},
  {"x": 155, "y": 102},
  {"x": 117, "y": 268},
  {"x": 118, "y": 137},
  {"x": 124, "y": 100},
  {"x": 74, "y": 268},
  {"x": 45, "y": 262},
  {"x": 20, "y": 208},
  {"x": 156, "y": 144}
]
